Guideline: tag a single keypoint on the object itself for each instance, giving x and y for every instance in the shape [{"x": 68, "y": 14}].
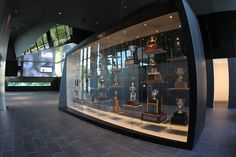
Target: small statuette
[
  {"x": 180, "y": 72},
  {"x": 132, "y": 92},
  {"x": 101, "y": 83},
  {"x": 130, "y": 59},
  {"x": 180, "y": 82},
  {"x": 153, "y": 65},
  {"x": 154, "y": 75},
  {"x": 132, "y": 48},
  {"x": 101, "y": 88},
  {"x": 180, "y": 104}
]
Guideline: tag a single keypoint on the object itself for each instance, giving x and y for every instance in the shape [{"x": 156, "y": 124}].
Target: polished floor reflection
[{"x": 33, "y": 126}]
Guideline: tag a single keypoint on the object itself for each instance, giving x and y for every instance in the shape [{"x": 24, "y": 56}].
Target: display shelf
[
  {"x": 155, "y": 51},
  {"x": 132, "y": 106},
  {"x": 178, "y": 89},
  {"x": 177, "y": 59},
  {"x": 155, "y": 82},
  {"x": 114, "y": 57}
]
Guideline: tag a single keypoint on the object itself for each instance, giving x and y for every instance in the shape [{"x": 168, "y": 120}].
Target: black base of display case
[
  {"x": 153, "y": 117},
  {"x": 179, "y": 118}
]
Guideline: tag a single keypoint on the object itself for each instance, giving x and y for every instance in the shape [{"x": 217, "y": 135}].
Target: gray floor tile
[{"x": 33, "y": 126}]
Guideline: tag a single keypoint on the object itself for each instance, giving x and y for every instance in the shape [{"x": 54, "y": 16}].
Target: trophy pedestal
[
  {"x": 154, "y": 77},
  {"x": 116, "y": 106},
  {"x": 181, "y": 84},
  {"x": 153, "y": 117},
  {"x": 179, "y": 118},
  {"x": 132, "y": 103},
  {"x": 129, "y": 61}
]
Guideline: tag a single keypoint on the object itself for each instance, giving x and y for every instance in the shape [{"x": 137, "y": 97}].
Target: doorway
[{"x": 221, "y": 82}]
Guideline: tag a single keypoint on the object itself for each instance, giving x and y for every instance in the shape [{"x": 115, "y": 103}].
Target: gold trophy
[
  {"x": 151, "y": 46},
  {"x": 154, "y": 75},
  {"x": 155, "y": 115},
  {"x": 116, "y": 105}
]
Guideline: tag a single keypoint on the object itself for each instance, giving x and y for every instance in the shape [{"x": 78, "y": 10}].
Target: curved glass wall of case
[{"x": 136, "y": 78}]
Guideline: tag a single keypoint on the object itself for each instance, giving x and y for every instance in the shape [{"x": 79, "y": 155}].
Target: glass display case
[{"x": 136, "y": 78}]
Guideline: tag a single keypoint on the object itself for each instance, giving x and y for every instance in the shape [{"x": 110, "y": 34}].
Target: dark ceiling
[{"x": 92, "y": 15}]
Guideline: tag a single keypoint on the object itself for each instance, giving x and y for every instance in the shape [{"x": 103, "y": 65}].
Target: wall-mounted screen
[{"x": 46, "y": 63}]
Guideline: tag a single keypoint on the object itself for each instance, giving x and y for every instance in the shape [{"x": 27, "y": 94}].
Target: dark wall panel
[
  {"x": 232, "y": 25},
  {"x": 219, "y": 34},
  {"x": 11, "y": 63},
  {"x": 197, "y": 74},
  {"x": 210, "y": 83},
  {"x": 232, "y": 82}
]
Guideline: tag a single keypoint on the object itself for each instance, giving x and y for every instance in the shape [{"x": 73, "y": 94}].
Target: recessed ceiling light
[
  {"x": 60, "y": 13},
  {"x": 180, "y": 26},
  {"x": 124, "y": 32},
  {"x": 145, "y": 24},
  {"x": 108, "y": 38},
  {"x": 121, "y": 41},
  {"x": 137, "y": 36},
  {"x": 171, "y": 17},
  {"x": 157, "y": 31}
]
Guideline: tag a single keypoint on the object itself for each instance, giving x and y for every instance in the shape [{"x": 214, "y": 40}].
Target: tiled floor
[{"x": 33, "y": 126}]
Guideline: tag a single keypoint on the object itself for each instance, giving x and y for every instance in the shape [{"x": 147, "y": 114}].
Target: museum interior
[{"x": 117, "y": 78}]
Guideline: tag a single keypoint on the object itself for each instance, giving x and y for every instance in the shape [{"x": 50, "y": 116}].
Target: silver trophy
[
  {"x": 155, "y": 93},
  {"x": 101, "y": 83},
  {"x": 180, "y": 72},
  {"x": 180, "y": 104},
  {"x": 132, "y": 48},
  {"x": 101, "y": 87},
  {"x": 132, "y": 92}
]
